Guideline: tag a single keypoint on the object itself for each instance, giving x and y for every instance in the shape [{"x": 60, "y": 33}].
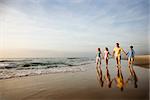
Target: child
[
  {"x": 130, "y": 55},
  {"x": 98, "y": 57},
  {"x": 106, "y": 53}
]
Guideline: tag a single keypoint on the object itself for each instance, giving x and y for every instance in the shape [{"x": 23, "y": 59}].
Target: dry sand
[
  {"x": 74, "y": 86},
  {"x": 142, "y": 60}
]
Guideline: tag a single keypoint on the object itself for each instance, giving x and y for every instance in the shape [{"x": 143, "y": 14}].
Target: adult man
[{"x": 117, "y": 51}]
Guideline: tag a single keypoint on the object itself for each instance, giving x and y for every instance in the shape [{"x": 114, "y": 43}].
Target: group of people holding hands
[
  {"x": 117, "y": 54},
  {"x": 119, "y": 80}
]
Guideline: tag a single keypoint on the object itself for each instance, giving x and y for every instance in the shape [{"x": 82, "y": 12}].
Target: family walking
[
  {"x": 119, "y": 80},
  {"x": 117, "y": 54}
]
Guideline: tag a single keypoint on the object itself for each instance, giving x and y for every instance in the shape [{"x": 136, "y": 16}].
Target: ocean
[{"x": 19, "y": 67}]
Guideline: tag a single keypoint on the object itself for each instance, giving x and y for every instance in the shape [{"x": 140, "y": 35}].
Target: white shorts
[
  {"x": 98, "y": 59},
  {"x": 106, "y": 57}
]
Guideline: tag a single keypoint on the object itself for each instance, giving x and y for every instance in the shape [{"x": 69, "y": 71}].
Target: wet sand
[{"x": 76, "y": 86}]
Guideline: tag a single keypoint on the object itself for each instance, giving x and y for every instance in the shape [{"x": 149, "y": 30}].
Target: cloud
[{"x": 74, "y": 25}]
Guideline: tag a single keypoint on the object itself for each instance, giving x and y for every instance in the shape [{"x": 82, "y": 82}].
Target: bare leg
[
  {"x": 96, "y": 63},
  {"x": 107, "y": 62},
  {"x": 100, "y": 63},
  {"x": 132, "y": 60},
  {"x": 119, "y": 61},
  {"x": 129, "y": 62}
]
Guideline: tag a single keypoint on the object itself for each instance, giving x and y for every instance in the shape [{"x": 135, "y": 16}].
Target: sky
[{"x": 49, "y": 28}]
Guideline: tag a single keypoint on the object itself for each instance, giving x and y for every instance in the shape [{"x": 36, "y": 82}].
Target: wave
[
  {"x": 14, "y": 60},
  {"x": 43, "y": 62},
  {"x": 73, "y": 58},
  {"x": 6, "y": 74},
  {"x": 34, "y": 66}
]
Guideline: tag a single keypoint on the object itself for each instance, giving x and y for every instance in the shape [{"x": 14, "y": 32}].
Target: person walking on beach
[
  {"x": 106, "y": 56},
  {"x": 98, "y": 58},
  {"x": 130, "y": 56},
  {"x": 117, "y": 51}
]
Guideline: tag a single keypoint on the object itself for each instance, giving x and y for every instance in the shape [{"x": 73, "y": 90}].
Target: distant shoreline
[{"x": 142, "y": 60}]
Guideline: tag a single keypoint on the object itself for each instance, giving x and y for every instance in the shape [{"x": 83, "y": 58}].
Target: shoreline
[{"x": 140, "y": 61}]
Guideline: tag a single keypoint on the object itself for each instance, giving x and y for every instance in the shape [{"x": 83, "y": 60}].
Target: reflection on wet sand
[
  {"x": 119, "y": 80},
  {"x": 108, "y": 78},
  {"x": 133, "y": 77},
  {"x": 99, "y": 75}
]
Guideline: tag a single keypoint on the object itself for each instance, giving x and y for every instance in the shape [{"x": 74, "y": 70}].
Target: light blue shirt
[{"x": 131, "y": 53}]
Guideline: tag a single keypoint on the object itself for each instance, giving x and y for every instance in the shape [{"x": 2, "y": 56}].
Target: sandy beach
[
  {"x": 49, "y": 50},
  {"x": 142, "y": 60},
  {"x": 76, "y": 85}
]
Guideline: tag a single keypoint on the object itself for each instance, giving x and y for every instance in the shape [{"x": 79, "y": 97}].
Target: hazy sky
[{"x": 71, "y": 27}]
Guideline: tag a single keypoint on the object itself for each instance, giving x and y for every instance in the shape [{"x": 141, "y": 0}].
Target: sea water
[{"x": 18, "y": 67}]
